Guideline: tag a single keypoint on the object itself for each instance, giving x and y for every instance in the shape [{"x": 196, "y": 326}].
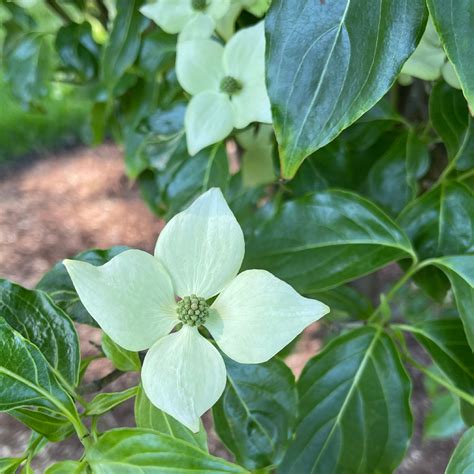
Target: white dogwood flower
[
  {"x": 174, "y": 15},
  {"x": 227, "y": 84},
  {"x": 138, "y": 299}
]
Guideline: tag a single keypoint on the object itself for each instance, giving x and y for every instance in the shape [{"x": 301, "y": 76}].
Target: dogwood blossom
[
  {"x": 227, "y": 84},
  {"x": 174, "y": 15},
  {"x": 138, "y": 299}
]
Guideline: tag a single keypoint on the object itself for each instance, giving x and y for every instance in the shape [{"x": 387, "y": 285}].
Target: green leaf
[
  {"x": 324, "y": 74},
  {"x": 460, "y": 271},
  {"x": 104, "y": 402},
  {"x": 440, "y": 222},
  {"x": 77, "y": 50},
  {"x": 255, "y": 416},
  {"x": 151, "y": 417},
  {"x": 9, "y": 465},
  {"x": 174, "y": 179},
  {"x": 66, "y": 467},
  {"x": 53, "y": 427},
  {"x": 139, "y": 451},
  {"x": 57, "y": 283},
  {"x": 124, "y": 360},
  {"x": 443, "y": 420},
  {"x": 462, "y": 459},
  {"x": 467, "y": 413},
  {"x": 336, "y": 236},
  {"x": 157, "y": 53},
  {"x": 446, "y": 343},
  {"x": 354, "y": 413},
  {"x": 450, "y": 117},
  {"x": 347, "y": 300},
  {"x": 123, "y": 44},
  {"x": 38, "y": 319},
  {"x": 392, "y": 180},
  {"x": 454, "y": 24},
  {"x": 26, "y": 379},
  {"x": 27, "y": 67}
]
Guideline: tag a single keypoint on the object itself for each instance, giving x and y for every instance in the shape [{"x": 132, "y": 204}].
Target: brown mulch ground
[{"x": 58, "y": 206}]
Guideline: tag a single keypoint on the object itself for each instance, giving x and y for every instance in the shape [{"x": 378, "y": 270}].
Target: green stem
[
  {"x": 440, "y": 380},
  {"x": 395, "y": 288},
  {"x": 466, "y": 175}
]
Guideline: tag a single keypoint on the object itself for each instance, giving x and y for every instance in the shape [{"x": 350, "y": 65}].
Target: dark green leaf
[
  {"x": 123, "y": 44},
  {"x": 440, "y": 222},
  {"x": 104, "y": 402},
  {"x": 450, "y": 117},
  {"x": 151, "y": 417},
  {"x": 53, "y": 427},
  {"x": 392, "y": 180},
  {"x": 38, "y": 319},
  {"x": 255, "y": 415},
  {"x": 27, "y": 67},
  {"x": 443, "y": 420},
  {"x": 462, "y": 459},
  {"x": 174, "y": 179},
  {"x": 157, "y": 53},
  {"x": 346, "y": 300},
  {"x": 467, "y": 413},
  {"x": 138, "y": 451},
  {"x": 77, "y": 49},
  {"x": 324, "y": 74},
  {"x": 59, "y": 286},
  {"x": 336, "y": 236},
  {"x": 26, "y": 379},
  {"x": 460, "y": 271},
  {"x": 354, "y": 413},
  {"x": 124, "y": 360},
  {"x": 453, "y": 20},
  {"x": 446, "y": 343}
]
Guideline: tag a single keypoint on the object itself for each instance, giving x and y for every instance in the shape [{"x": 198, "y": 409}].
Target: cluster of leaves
[{"x": 373, "y": 173}]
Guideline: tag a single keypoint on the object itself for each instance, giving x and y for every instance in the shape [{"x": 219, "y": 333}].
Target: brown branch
[{"x": 59, "y": 10}]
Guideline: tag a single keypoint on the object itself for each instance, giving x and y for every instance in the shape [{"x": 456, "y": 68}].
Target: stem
[
  {"x": 59, "y": 10},
  {"x": 466, "y": 175},
  {"x": 99, "y": 384},
  {"x": 388, "y": 297},
  {"x": 440, "y": 380}
]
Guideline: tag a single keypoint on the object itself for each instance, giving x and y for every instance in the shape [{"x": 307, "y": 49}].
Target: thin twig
[{"x": 98, "y": 385}]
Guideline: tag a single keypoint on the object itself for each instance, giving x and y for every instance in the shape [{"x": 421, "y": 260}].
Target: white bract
[
  {"x": 138, "y": 299},
  {"x": 429, "y": 61},
  {"x": 174, "y": 15},
  {"x": 227, "y": 84}
]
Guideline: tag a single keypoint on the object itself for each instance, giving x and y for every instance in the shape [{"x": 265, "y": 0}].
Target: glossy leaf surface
[
  {"x": 323, "y": 74},
  {"x": 354, "y": 413},
  {"x": 255, "y": 415},
  {"x": 335, "y": 236},
  {"x": 38, "y": 319}
]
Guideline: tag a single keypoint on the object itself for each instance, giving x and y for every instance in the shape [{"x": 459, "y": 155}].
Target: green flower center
[
  {"x": 230, "y": 85},
  {"x": 193, "y": 310},
  {"x": 199, "y": 5}
]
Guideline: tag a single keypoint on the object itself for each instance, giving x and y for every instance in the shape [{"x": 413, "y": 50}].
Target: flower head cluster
[
  {"x": 139, "y": 299},
  {"x": 227, "y": 84}
]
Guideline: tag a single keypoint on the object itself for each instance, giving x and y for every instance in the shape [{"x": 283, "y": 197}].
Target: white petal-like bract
[
  {"x": 171, "y": 15},
  {"x": 184, "y": 375},
  {"x": 257, "y": 315},
  {"x": 199, "y": 65},
  {"x": 209, "y": 119},
  {"x": 131, "y": 297},
  {"x": 202, "y": 247}
]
